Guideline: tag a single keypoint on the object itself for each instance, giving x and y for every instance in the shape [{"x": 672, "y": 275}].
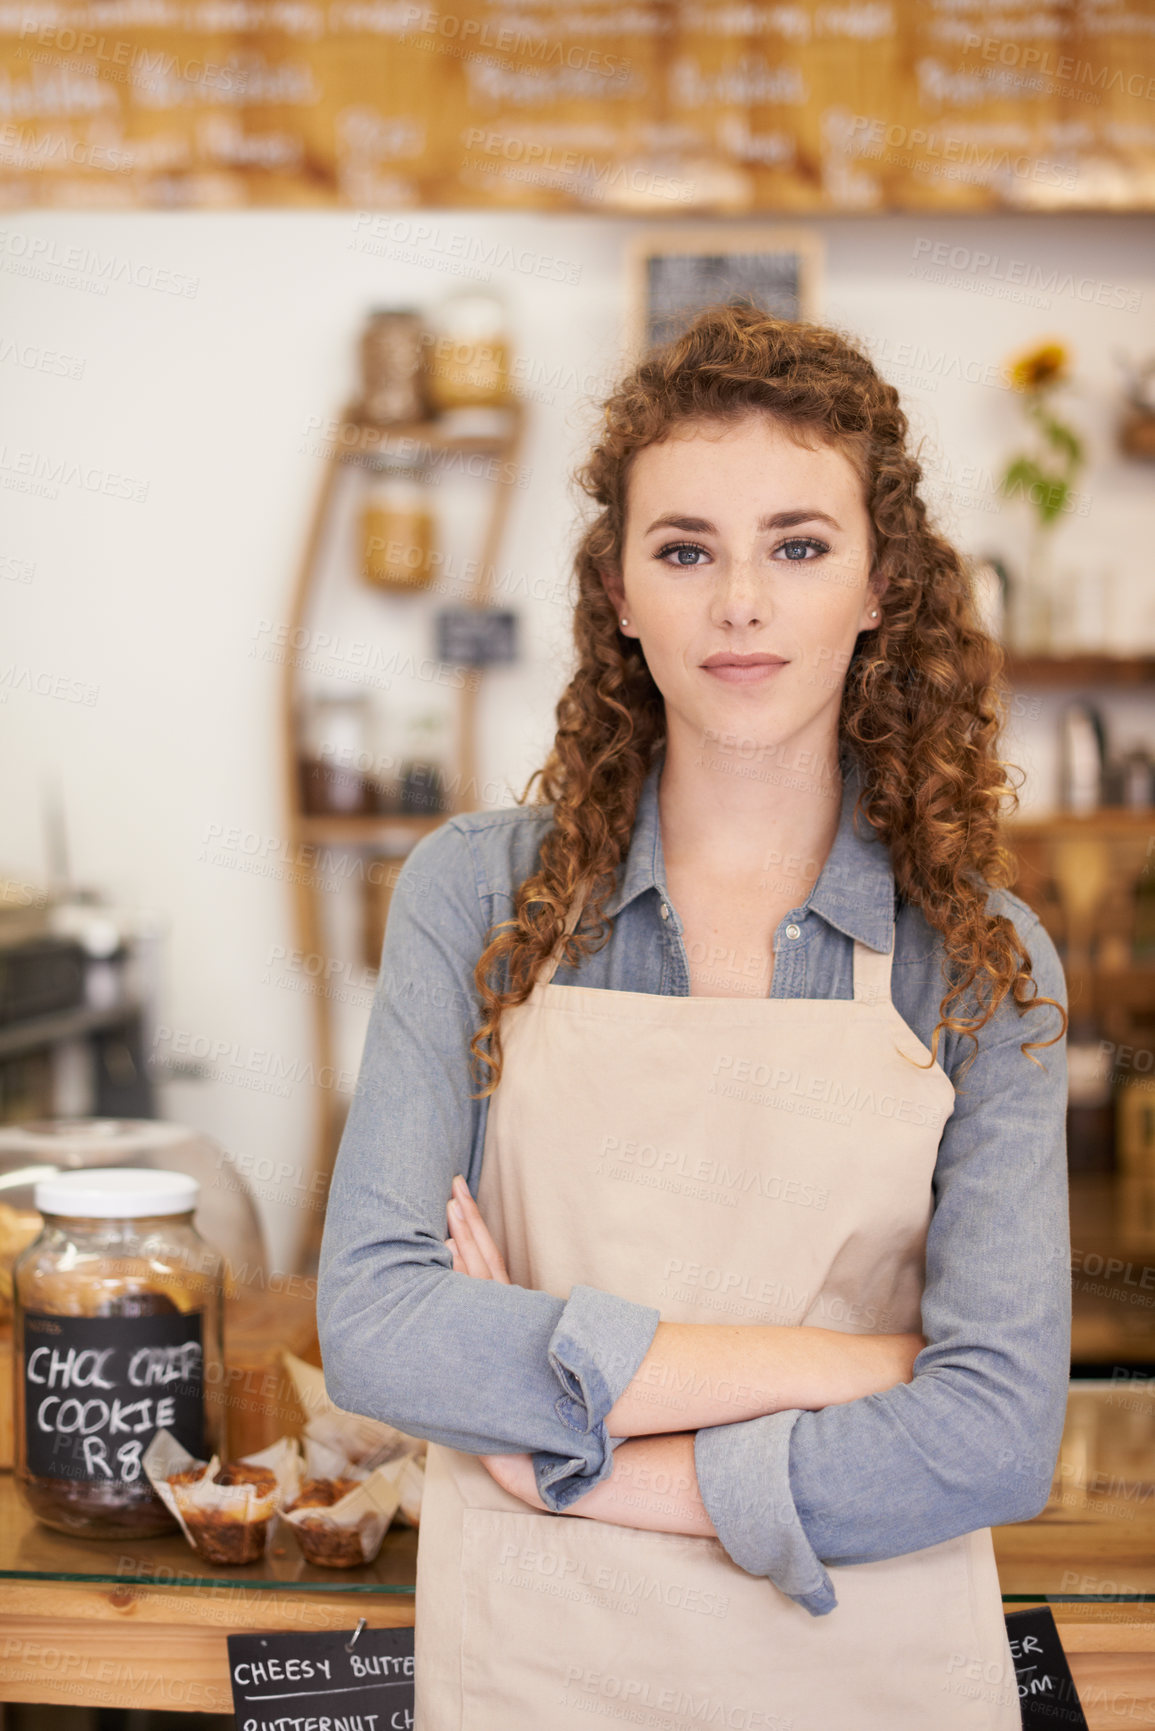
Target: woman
[{"x": 753, "y": 1315}]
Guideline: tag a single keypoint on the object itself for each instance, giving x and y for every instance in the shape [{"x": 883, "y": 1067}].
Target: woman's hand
[
  {"x": 475, "y": 1254},
  {"x": 514, "y": 1473},
  {"x": 474, "y": 1251}
]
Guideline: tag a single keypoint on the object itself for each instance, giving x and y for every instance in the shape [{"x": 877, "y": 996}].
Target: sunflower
[{"x": 1038, "y": 367}]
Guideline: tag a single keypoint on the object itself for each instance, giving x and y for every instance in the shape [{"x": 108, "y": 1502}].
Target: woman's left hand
[
  {"x": 514, "y": 1473},
  {"x": 475, "y": 1253}
]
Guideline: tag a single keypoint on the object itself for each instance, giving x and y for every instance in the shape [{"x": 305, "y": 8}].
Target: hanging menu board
[
  {"x": 656, "y": 108},
  {"x": 357, "y": 1680}
]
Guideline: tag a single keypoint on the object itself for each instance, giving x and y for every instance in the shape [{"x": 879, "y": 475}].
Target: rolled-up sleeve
[
  {"x": 474, "y": 1364},
  {"x": 972, "y": 1441}
]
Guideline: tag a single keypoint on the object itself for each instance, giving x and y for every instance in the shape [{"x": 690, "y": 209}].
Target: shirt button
[
  {"x": 665, "y": 911},
  {"x": 793, "y": 931}
]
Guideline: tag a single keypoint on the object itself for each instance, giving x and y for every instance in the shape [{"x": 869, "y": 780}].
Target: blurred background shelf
[
  {"x": 1056, "y": 672},
  {"x": 368, "y": 831},
  {"x": 1109, "y": 820},
  {"x": 335, "y": 576}
]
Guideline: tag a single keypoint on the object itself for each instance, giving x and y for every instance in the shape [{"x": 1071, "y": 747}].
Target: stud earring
[
  {"x": 625, "y": 621},
  {"x": 874, "y": 612}
]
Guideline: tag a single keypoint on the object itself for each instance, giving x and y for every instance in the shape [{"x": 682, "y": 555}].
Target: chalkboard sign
[
  {"x": 675, "y": 275},
  {"x": 476, "y": 636},
  {"x": 98, "y": 1388},
  {"x": 350, "y": 1680},
  {"x": 1047, "y": 1693}
]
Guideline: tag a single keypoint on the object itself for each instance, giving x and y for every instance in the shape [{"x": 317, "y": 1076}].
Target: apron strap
[
  {"x": 571, "y": 920},
  {"x": 872, "y": 973}
]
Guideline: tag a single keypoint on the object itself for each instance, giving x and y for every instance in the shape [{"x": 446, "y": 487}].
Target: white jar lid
[
  {"x": 115, "y": 1192},
  {"x": 468, "y": 317}
]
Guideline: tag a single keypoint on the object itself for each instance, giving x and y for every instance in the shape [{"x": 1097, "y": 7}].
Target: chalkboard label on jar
[{"x": 98, "y": 1388}]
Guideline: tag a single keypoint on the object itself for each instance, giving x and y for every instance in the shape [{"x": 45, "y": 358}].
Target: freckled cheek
[
  {"x": 668, "y": 615},
  {"x": 819, "y": 635}
]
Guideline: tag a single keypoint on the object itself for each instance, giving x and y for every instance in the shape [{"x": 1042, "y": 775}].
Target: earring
[
  {"x": 625, "y": 621},
  {"x": 874, "y": 612}
]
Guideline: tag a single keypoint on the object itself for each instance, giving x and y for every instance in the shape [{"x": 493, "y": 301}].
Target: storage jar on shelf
[
  {"x": 333, "y": 755},
  {"x": 468, "y": 363},
  {"x": 117, "y": 1334},
  {"x": 392, "y": 367},
  {"x": 397, "y": 534}
]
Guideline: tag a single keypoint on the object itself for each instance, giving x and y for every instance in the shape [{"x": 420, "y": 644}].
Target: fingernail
[{"x": 455, "y": 1209}]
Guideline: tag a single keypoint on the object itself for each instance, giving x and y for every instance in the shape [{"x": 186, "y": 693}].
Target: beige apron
[{"x": 725, "y": 1160}]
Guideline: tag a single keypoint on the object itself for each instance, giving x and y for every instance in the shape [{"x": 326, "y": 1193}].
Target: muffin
[
  {"x": 332, "y": 1545},
  {"x": 229, "y": 1528}
]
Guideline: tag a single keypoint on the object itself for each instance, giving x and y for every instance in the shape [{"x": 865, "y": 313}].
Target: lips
[
  {"x": 743, "y": 669},
  {"x": 743, "y": 660}
]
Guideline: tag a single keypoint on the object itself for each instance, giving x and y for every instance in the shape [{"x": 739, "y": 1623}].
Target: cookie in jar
[{"x": 117, "y": 1318}]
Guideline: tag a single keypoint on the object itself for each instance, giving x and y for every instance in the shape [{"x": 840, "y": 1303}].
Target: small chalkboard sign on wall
[
  {"x": 677, "y": 271},
  {"x": 476, "y": 636}
]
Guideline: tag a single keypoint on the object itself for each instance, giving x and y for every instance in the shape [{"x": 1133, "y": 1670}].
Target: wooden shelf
[
  {"x": 1055, "y": 672},
  {"x": 356, "y": 438},
  {"x": 1108, "y": 820},
  {"x": 1140, "y": 974},
  {"x": 1108, "y": 1327},
  {"x": 363, "y": 831},
  {"x": 348, "y": 443}
]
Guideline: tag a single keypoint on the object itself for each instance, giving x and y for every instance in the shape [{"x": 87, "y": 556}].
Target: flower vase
[{"x": 1034, "y": 595}]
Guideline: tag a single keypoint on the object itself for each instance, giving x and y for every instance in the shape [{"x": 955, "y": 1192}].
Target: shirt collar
[{"x": 855, "y": 888}]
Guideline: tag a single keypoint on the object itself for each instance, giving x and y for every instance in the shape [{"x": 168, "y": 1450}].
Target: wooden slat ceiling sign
[{"x": 650, "y": 107}]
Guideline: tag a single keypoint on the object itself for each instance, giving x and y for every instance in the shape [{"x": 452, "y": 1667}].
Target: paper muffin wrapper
[
  {"x": 401, "y": 1455},
  {"x": 367, "y": 1441},
  {"x": 368, "y": 1508},
  {"x": 165, "y": 1456}
]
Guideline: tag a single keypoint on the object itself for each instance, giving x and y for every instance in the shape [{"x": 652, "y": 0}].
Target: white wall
[{"x": 203, "y": 400}]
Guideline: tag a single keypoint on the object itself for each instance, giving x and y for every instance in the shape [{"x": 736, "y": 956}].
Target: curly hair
[{"x": 923, "y": 699}]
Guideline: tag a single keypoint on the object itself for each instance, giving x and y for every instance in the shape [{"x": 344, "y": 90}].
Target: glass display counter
[
  {"x": 115, "y": 1624},
  {"x": 30, "y": 1551},
  {"x": 137, "y": 1623}
]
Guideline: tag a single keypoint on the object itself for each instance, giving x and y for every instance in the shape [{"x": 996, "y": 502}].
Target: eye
[
  {"x": 804, "y": 541},
  {"x": 682, "y": 547}
]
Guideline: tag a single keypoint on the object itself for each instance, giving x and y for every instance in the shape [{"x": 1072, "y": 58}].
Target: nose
[{"x": 742, "y": 596}]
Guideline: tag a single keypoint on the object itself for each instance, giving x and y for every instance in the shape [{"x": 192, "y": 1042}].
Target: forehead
[{"x": 755, "y": 454}]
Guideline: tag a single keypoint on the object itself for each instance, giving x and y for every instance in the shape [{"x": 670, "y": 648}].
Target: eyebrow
[{"x": 779, "y": 520}]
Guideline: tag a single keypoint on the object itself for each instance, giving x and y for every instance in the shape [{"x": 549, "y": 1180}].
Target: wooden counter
[
  {"x": 106, "y": 1624},
  {"x": 114, "y": 1626}
]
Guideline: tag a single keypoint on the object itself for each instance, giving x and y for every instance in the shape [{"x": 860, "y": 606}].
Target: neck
[{"x": 731, "y": 813}]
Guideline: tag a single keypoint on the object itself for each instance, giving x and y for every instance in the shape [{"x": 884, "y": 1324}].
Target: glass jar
[
  {"x": 397, "y": 535},
  {"x": 469, "y": 358},
  {"x": 392, "y": 374},
  {"x": 424, "y": 775},
  {"x": 117, "y": 1333},
  {"x": 334, "y": 754}
]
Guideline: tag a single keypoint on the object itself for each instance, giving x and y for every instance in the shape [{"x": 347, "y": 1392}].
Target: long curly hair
[{"x": 923, "y": 699}]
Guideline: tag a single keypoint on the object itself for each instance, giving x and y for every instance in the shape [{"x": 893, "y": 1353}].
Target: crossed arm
[{"x": 722, "y": 1374}]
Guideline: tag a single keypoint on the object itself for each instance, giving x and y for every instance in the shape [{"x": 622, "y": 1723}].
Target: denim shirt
[{"x": 487, "y": 1368}]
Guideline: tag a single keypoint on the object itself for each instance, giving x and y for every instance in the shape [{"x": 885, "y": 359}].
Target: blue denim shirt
[{"x": 970, "y": 1442}]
